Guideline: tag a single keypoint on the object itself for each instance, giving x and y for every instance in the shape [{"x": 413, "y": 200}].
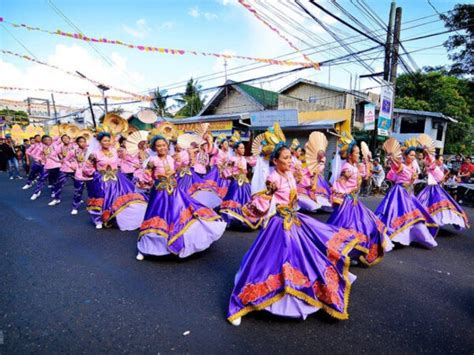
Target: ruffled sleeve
[{"x": 260, "y": 203}]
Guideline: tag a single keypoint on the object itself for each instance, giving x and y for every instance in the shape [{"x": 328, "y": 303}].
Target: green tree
[
  {"x": 160, "y": 103},
  {"x": 461, "y": 45},
  {"x": 438, "y": 92},
  {"x": 191, "y": 101},
  {"x": 15, "y": 117}
]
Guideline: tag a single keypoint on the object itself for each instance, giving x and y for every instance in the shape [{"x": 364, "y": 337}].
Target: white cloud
[
  {"x": 197, "y": 13},
  {"x": 167, "y": 25},
  {"x": 210, "y": 16},
  {"x": 194, "y": 12},
  {"x": 71, "y": 58},
  {"x": 227, "y": 2},
  {"x": 140, "y": 29}
]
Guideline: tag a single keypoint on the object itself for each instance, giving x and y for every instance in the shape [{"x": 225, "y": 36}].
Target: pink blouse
[
  {"x": 128, "y": 162},
  {"x": 201, "y": 162},
  {"x": 182, "y": 160},
  {"x": 403, "y": 174},
  {"x": 345, "y": 185},
  {"x": 284, "y": 186},
  {"x": 162, "y": 166},
  {"x": 435, "y": 172},
  {"x": 80, "y": 164},
  {"x": 239, "y": 164},
  {"x": 34, "y": 151},
  {"x": 64, "y": 152},
  {"x": 105, "y": 161}
]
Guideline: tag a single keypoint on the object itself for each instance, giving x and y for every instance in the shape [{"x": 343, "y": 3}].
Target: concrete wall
[
  {"x": 235, "y": 102},
  {"x": 323, "y": 97}
]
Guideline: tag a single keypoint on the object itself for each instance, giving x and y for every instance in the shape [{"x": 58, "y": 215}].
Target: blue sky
[{"x": 212, "y": 25}]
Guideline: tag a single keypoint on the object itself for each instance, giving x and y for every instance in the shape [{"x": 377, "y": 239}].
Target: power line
[
  {"x": 19, "y": 42},
  {"x": 101, "y": 55},
  {"x": 217, "y": 74}
]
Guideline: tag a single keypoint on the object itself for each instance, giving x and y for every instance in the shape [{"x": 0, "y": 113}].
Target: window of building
[
  {"x": 412, "y": 125},
  {"x": 312, "y": 99},
  {"x": 439, "y": 132}
]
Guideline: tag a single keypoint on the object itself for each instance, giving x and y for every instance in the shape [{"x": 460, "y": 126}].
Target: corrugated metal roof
[
  {"x": 266, "y": 98},
  {"x": 424, "y": 113}
]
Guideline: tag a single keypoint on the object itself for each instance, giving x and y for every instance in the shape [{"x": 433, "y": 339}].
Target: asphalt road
[{"x": 67, "y": 287}]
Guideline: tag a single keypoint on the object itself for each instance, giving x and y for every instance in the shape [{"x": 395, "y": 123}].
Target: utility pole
[
  {"x": 54, "y": 108},
  {"x": 386, "y": 66},
  {"x": 396, "y": 45},
  {"x": 329, "y": 74},
  {"x": 92, "y": 111}
]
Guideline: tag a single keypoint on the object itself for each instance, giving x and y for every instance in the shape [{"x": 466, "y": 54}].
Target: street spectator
[
  {"x": 466, "y": 170},
  {"x": 13, "y": 170},
  {"x": 452, "y": 185},
  {"x": 3, "y": 155},
  {"x": 378, "y": 175},
  {"x": 456, "y": 164}
]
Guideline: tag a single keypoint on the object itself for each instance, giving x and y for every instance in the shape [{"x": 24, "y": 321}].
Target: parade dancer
[
  {"x": 36, "y": 168},
  {"x": 111, "y": 193},
  {"x": 174, "y": 223},
  {"x": 205, "y": 188},
  {"x": 77, "y": 157},
  {"x": 296, "y": 265},
  {"x": 219, "y": 172},
  {"x": 239, "y": 192},
  {"x": 128, "y": 162},
  {"x": 351, "y": 213},
  {"x": 404, "y": 216},
  {"x": 440, "y": 205},
  {"x": 314, "y": 191},
  {"x": 49, "y": 158},
  {"x": 66, "y": 171}
]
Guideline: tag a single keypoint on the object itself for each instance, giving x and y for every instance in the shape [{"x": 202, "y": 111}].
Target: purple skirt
[
  {"x": 295, "y": 271},
  {"x": 406, "y": 219},
  {"x": 221, "y": 183},
  {"x": 231, "y": 207},
  {"x": 186, "y": 178},
  {"x": 310, "y": 199},
  {"x": 373, "y": 241},
  {"x": 113, "y": 197},
  {"x": 206, "y": 190},
  {"x": 176, "y": 223},
  {"x": 442, "y": 207}
]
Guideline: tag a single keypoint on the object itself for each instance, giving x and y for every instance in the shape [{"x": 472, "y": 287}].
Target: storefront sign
[{"x": 265, "y": 119}]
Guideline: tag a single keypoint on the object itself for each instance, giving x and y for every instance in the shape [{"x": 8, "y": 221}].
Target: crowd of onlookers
[{"x": 13, "y": 157}]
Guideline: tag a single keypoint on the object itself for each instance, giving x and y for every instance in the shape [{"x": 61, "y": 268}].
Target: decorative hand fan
[
  {"x": 278, "y": 132},
  {"x": 147, "y": 116},
  {"x": 426, "y": 141},
  {"x": 54, "y": 131},
  {"x": 235, "y": 137},
  {"x": 257, "y": 144},
  {"x": 295, "y": 144},
  {"x": 317, "y": 143},
  {"x": 134, "y": 139},
  {"x": 185, "y": 140},
  {"x": 365, "y": 150},
  {"x": 393, "y": 149},
  {"x": 202, "y": 129}
]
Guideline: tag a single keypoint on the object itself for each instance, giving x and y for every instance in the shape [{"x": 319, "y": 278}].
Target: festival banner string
[{"x": 78, "y": 36}]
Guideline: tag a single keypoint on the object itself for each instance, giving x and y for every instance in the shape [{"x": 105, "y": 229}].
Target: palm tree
[
  {"x": 191, "y": 101},
  {"x": 159, "y": 102}
]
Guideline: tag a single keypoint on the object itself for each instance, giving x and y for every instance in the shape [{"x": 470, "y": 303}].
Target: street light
[{"x": 103, "y": 89}]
